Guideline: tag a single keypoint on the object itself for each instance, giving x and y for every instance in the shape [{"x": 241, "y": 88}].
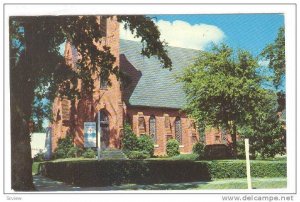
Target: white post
[
  {"x": 248, "y": 164},
  {"x": 99, "y": 137}
]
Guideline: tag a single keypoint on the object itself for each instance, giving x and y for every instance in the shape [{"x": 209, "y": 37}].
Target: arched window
[
  {"x": 178, "y": 130},
  {"x": 103, "y": 83},
  {"x": 152, "y": 128}
]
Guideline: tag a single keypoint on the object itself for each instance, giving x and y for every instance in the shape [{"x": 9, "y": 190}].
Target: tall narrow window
[
  {"x": 103, "y": 26},
  {"x": 103, "y": 83},
  {"x": 152, "y": 128},
  {"x": 178, "y": 130}
]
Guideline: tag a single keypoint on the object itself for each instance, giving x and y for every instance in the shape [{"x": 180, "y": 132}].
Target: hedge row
[
  {"x": 116, "y": 172},
  {"x": 237, "y": 169}
]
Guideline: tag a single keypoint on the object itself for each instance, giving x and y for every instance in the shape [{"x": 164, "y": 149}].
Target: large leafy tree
[
  {"x": 274, "y": 53},
  {"x": 224, "y": 90},
  {"x": 38, "y": 70}
]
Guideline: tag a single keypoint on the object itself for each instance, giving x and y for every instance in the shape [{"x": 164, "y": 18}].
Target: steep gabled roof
[{"x": 151, "y": 85}]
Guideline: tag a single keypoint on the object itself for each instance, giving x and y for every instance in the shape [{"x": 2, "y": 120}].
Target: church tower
[{"x": 69, "y": 116}]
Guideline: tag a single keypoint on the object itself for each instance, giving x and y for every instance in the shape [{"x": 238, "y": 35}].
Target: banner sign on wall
[{"x": 90, "y": 134}]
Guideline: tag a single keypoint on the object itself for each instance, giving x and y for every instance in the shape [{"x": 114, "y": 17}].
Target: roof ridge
[{"x": 191, "y": 49}]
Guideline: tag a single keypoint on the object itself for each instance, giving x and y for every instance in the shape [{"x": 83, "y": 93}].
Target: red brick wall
[
  {"x": 103, "y": 99},
  {"x": 215, "y": 136},
  {"x": 161, "y": 131},
  {"x": 111, "y": 101}
]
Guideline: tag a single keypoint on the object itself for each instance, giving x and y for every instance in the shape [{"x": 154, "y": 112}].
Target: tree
[
  {"x": 264, "y": 128},
  {"x": 224, "y": 90},
  {"x": 274, "y": 53},
  {"x": 37, "y": 70}
]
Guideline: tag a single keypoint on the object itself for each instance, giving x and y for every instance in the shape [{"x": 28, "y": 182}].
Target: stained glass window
[
  {"x": 103, "y": 83},
  {"x": 152, "y": 128},
  {"x": 178, "y": 130}
]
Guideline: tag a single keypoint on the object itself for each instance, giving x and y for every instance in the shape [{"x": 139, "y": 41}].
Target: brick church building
[{"x": 151, "y": 103}]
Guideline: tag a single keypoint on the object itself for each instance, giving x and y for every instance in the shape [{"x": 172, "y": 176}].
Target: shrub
[
  {"x": 59, "y": 154},
  {"x": 146, "y": 145},
  {"x": 217, "y": 151},
  {"x": 39, "y": 157},
  {"x": 237, "y": 169},
  {"x": 129, "y": 140},
  {"x": 63, "y": 147},
  {"x": 188, "y": 157},
  {"x": 172, "y": 147},
  {"x": 89, "y": 153},
  {"x": 138, "y": 155},
  {"x": 114, "y": 172},
  {"x": 74, "y": 152},
  {"x": 198, "y": 149}
]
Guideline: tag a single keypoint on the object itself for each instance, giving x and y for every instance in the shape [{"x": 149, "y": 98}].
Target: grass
[
  {"x": 35, "y": 167},
  {"x": 44, "y": 184},
  {"x": 257, "y": 183}
]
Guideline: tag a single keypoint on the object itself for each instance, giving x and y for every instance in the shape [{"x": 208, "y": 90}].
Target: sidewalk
[{"x": 48, "y": 185}]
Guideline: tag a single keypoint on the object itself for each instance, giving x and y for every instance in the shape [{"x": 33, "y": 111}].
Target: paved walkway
[{"x": 46, "y": 184}]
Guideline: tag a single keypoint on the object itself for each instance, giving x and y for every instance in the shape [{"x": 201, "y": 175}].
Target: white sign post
[{"x": 248, "y": 164}]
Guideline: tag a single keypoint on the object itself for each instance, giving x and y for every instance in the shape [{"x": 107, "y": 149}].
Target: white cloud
[
  {"x": 182, "y": 34},
  {"x": 263, "y": 63}
]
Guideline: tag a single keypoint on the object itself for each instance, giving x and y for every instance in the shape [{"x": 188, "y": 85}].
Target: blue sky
[{"x": 246, "y": 31}]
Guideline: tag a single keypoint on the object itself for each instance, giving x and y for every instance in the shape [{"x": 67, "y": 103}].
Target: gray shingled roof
[{"x": 153, "y": 86}]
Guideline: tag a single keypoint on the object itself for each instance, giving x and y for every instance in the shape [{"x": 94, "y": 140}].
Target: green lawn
[
  {"x": 35, "y": 167},
  {"x": 241, "y": 183}
]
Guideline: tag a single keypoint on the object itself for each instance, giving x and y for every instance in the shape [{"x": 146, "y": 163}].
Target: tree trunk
[
  {"x": 21, "y": 162},
  {"x": 233, "y": 138},
  {"x": 22, "y": 95}
]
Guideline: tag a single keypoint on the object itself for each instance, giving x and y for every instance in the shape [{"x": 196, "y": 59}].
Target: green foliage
[
  {"x": 89, "y": 153},
  {"x": 275, "y": 54},
  {"x": 74, "y": 152},
  {"x": 224, "y": 90},
  {"x": 224, "y": 86},
  {"x": 217, "y": 151},
  {"x": 115, "y": 172},
  {"x": 38, "y": 70},
  {"x": 237, "y": 169},
  {"x": 241, "y": 149},
  {"x": 39, "y": 157},
  {"x": 145, "y": 143},
  {"x": 129, "y": 139},
  {"x": 36, "y": 168},
  {"x": 130, "y": 142},
  {"x": 198, "y": 149},
  {"x": 137, "y": 155},
  {"x": 189, "y": 157},
  {"x": 172, "y": 147},
  {"x": 266, "y": 134},
  {"x": 64, "y": 145}
]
